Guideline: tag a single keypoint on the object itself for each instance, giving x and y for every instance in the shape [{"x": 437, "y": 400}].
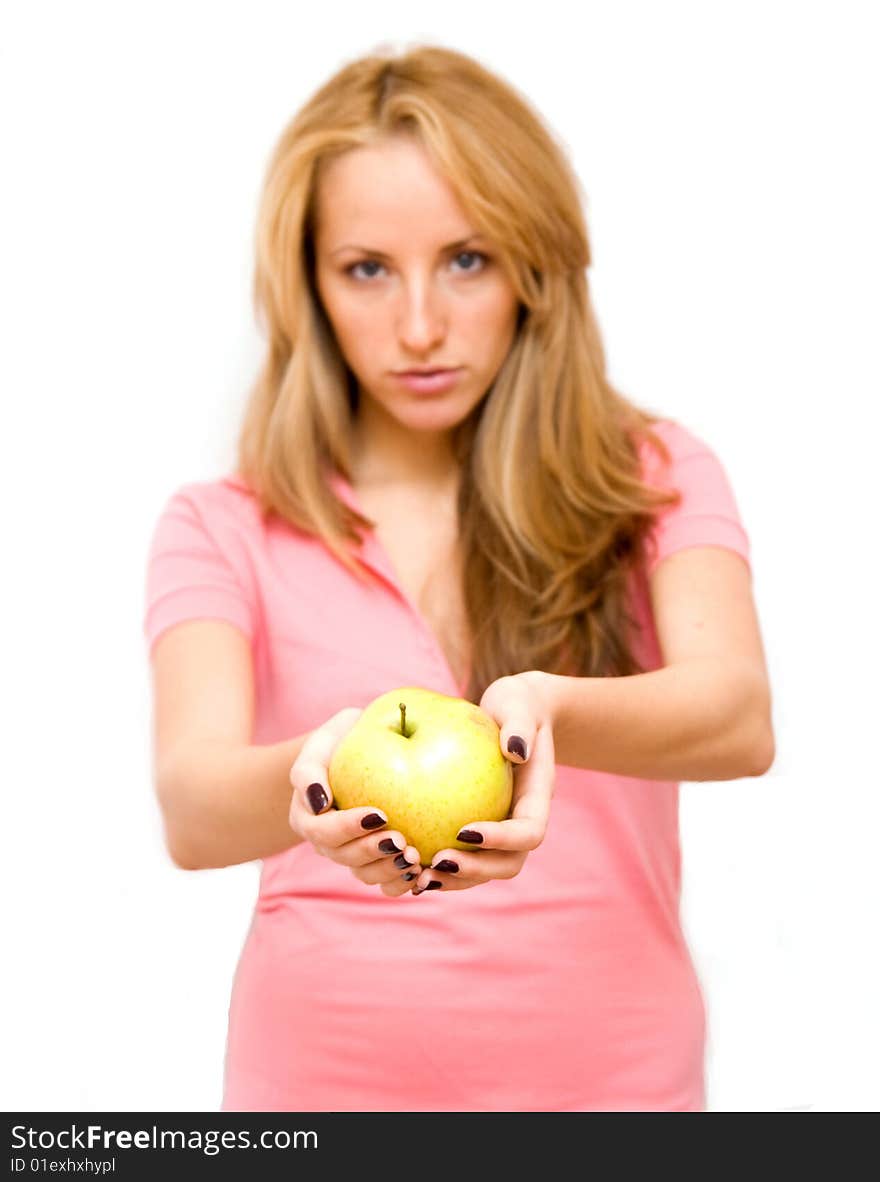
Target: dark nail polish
[
  {"x": 401, "y": 863},
  {"x": 434, "y": 885},
  {"x": 516, "y": 746},
  {"x": 470, "y": 835},
  {"x": 388, "y": 846},
  {"x": 372, "y": 821},
  {"x": 317, "y": 797},
  {"x": 408, "y": 877},
  {"x": 447, "y": 865}
]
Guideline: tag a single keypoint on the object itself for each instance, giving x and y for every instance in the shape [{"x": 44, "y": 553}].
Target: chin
[
  {"x": 440, "y": 412},
  {"x": 433, "y": 418}
]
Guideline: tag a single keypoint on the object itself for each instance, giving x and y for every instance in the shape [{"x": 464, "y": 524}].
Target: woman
[{"x": 516, "y": 533}]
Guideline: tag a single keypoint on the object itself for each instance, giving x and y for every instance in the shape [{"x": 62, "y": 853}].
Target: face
[{"x": 405, "y": 284}]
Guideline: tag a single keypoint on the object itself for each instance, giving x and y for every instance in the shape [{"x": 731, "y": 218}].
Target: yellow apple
[{"x": 431, "y": 762}]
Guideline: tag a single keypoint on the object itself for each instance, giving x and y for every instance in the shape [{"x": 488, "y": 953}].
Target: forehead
[{"x": 391, "y": 189}]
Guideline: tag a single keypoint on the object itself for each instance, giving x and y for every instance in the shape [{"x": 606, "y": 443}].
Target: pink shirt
[{"x": 567, "y": 988}]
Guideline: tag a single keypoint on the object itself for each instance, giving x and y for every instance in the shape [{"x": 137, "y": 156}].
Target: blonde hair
[{"x": 552, "y": 510}]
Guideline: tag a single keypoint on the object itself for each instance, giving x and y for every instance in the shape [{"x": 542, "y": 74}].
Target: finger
[
  {"x": 310, "y": 766},
  {"x": 402, "y": 885},
  {"x": 387, "y": 849},
  {"x": 312, "y": 795},
  {"x": 508, "y": 701},
  {"x": 390, "y": 868},
  {"x": 533, "y": 788},
  {"x": 473, "y": 870},
  {"x": 454, "y": 866},
  {"x": 331, "y": 827},
  {"x": 517, "y": 739},
  {"x": 434, "y": 882}
]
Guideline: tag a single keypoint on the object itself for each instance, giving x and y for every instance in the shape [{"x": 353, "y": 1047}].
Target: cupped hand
[
  {"x": 522, "y": 712},
  {"x": 355, "y": 837}
]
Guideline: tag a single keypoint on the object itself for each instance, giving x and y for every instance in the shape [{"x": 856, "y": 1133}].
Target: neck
[{"x": 383, "y": 453}]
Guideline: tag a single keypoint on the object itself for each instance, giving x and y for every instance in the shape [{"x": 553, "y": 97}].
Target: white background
[{"x": 728, "y": 157}]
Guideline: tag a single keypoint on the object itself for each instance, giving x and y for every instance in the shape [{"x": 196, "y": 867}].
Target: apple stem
[{"x": 403, "y": 720}]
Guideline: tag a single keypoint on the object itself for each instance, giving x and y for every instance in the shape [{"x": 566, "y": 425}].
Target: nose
[{"x": 422, "y": 321}]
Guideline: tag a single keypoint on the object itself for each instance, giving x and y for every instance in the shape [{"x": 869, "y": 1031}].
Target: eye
[
  {"x": 473, "y": 254},
  {"x": 364, "y": 263},
  {"x": 462, "y": 254}
]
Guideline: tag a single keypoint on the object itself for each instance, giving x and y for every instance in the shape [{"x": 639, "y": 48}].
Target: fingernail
[
  {"x": 434, "y": 885},
  {"x": 317, "y": 797},
  {"x": 418, "y": 890},
  {"x": 408, "y": 877},
  {"x": 401, "y": 863},
  {"x": 388, "y": 847},
  {"x": 470, "y": 835},
  {"x": 447, "y": 865},
  {"x": 516, "y": 746},
  {"x": 372, "y": 821}
]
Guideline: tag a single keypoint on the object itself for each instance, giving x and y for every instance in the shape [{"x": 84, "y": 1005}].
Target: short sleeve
[
  {"x": 191, "y": 573},
  {"x": 707, "y": 514}
]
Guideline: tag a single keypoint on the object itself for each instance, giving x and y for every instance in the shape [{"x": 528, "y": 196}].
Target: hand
[
  {"x": 351, "y": 837},
  {"x": 518, "y": 705}
]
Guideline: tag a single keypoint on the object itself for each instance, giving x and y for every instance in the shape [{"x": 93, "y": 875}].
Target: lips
[
  {"x": 423, "y": 373},
  {"x": 435, "y": 382}
]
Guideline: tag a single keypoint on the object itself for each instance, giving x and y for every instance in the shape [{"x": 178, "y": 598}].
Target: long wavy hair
[{"x": 552, "y": 510}]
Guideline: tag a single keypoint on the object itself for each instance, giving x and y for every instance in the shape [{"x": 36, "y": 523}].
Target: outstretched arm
[{"x": 706, "y": 715}]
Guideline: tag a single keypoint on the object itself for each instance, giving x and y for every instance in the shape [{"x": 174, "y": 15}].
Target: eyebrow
[{"x": 380, "y": 255}]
